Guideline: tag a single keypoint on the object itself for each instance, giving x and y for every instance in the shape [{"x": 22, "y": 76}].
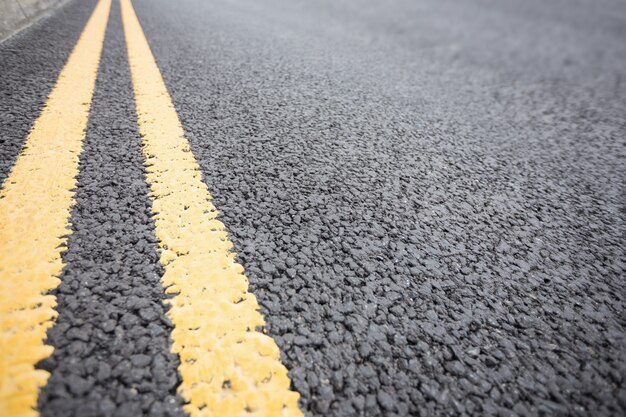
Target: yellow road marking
[
  {"x": 35, "y": 208},
  {"x": 228, "y": 367}
]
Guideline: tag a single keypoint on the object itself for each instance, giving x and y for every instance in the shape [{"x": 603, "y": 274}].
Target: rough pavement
[
  {"x": 427, "y": 205},
  {"x": 428, "y": 199},
  {"x": 111, "y": 339},
  {"x": 30, "y": 63}
]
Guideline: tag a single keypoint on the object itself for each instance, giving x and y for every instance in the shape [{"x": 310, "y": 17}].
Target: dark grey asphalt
[
  {"x": 428, "y": 198},
  {"x": 112, "y": 347},
  {"x": 30, "y": 63}
]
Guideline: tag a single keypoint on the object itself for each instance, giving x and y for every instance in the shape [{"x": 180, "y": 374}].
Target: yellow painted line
[
  {"x": 228, "y": 366},
  {"x": 35, "y": 205}
]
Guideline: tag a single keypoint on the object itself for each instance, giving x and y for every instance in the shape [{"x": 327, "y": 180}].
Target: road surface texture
[{"x": 428, "y": 198}]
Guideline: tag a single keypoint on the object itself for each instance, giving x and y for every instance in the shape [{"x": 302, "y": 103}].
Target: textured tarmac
[
  {"x": 112, "y": 346},
  {"x": 30, "y": 63},
  {"x": 427, "y": 196},
  {"x": 428, "y": 199}
]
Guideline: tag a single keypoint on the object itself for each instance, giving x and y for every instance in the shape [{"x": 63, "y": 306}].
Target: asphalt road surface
[{"x": 428, "y": 198}]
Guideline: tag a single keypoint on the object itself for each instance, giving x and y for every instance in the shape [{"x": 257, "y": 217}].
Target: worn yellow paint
[
  {"x": 35, "y": 205},
  {"x": 229, "y": 367}
]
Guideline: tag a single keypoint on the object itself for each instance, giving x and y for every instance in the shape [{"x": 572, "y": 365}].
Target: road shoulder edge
[{"x": 17, "y": 15}]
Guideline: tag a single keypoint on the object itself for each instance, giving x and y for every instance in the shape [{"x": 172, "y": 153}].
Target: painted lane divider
[
  {"x": 35, "y": 204},
  {"x": 228, "y": 367}
]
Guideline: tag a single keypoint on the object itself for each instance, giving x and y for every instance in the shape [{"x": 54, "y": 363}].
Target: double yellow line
[{"x": 229, "y": 367}]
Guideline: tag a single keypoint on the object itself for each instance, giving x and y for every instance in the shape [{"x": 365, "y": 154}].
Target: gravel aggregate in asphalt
[
  {"x": 30, "y": 63},
  {"x": 112, "y": 346},
  {"x": 428, "y": 199}
]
